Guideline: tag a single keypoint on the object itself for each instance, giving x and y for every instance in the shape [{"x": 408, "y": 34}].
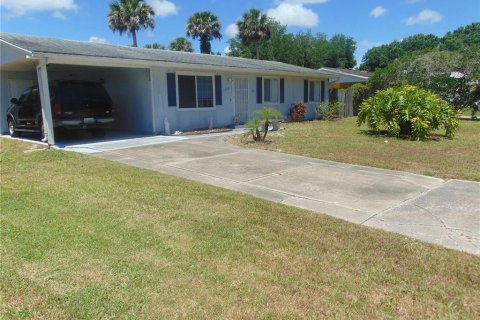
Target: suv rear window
[{"x": 78, "y": 91}]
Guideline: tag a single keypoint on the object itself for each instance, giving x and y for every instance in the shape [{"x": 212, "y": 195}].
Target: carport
[{"x": 129, "y": 85}]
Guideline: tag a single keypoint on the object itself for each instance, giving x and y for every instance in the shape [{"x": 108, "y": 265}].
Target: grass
[
  {"x": 85, "y": 238},
  {"x": 343, "y": 141}
]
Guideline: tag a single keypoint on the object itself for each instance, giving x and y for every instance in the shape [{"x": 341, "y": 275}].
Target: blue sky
[{"x": 368, "y": 22}]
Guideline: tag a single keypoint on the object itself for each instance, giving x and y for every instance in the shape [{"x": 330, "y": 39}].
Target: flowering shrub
[{"x": 298, "y": 111}]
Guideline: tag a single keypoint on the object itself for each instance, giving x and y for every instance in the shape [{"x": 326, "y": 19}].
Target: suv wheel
[{"x": 12, "y": 128}]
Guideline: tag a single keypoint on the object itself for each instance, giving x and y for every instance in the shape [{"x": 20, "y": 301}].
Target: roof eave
[
  {"x": 29, "y": 53},
  {"x": 58, "y": 58}
]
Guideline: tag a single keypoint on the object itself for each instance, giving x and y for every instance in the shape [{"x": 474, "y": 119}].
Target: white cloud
[
  {"x": 226, "y": 50},
  {"x": 97, "y": 40},
  {"x": 378, "y": 12},
  {"x": 294, "y": 15},
  {"x": 163, "y": 8},
  {"x": 425, "y": 16},
  {"x": 231, "y": 30},
  {"x": 21, "y": 7}
]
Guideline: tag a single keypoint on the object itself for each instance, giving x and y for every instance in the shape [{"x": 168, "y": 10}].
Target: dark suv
[{"x": 75, "y": 104}]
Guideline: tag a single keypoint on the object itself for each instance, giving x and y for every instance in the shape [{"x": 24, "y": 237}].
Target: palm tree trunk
[
  {"x": 205, "y": 46},
  {"x": 134, "y": 37}
]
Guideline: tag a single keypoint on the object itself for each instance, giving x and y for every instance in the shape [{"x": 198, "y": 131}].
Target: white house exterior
[{"x": 156, "y": 90}]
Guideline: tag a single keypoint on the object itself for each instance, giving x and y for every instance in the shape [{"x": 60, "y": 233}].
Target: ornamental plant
[
  {"x": 263, "y": 118},
  {"x": 329, "y": 110},
  {"x": 298, "y": 111},
  {"x": 408, "y": 111}
]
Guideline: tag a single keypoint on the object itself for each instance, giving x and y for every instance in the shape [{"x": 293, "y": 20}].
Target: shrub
[
  {"x": 410, "y": 111},
  {"x": 298, "y": 112},
  {"x": 328, "y": 110},
  {"x": 263, "y": 117}
]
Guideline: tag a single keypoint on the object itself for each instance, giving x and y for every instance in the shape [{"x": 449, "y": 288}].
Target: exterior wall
[
  {"x": 222, "y": 116},
  {"x": 131, "y": 92},
  {"x": 5, "y": 76},
  {"x": 188, "y": 119}
]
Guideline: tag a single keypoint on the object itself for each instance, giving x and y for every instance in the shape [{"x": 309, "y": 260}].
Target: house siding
[{"x": 220, "y": 115}]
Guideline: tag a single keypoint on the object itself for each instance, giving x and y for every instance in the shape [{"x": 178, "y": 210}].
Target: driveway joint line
[{"x": 404, "y": 202}]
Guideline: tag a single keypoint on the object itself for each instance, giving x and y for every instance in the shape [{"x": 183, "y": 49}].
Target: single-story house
[
  {"x": 341, "y": 82},
  {"x": 157, "y": 91}
]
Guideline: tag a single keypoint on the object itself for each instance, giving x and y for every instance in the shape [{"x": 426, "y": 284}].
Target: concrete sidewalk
[{"x": 426, "y": 208}]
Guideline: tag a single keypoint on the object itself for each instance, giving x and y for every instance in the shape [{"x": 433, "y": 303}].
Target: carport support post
[{"x": 44, "y": 91}]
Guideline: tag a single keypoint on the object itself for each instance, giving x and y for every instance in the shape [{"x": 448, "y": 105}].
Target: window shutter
[
  {"x": 322, "y": 94},
  {"x": 171, "y": 90},
  {"x": 305, "y": 91},
  {"x": 218, "y": 90},
  {"x": 282, "y": 90},
  {"x": 259, "y": 90}
]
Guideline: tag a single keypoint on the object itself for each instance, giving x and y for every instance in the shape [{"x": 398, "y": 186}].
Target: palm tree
[
  {"x": 206, "y": 27},
  {"x": 129, "y": 16},
  {"x": 181, "y": 44},
  {"x": 254, "y": 28}
]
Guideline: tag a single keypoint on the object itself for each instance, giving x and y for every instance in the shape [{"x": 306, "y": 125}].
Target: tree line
[
  {"x": 449, "y": 66},
  {"x": 462, "y": 38},
  {"x": 258, "y": 37}
]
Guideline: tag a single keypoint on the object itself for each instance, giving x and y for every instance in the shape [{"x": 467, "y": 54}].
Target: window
[
  {"x": 205, "y": 92},
  {"x": 271, "y": 90},
  {"x": 314, "y": 91},
  {"x": 195, "y": 92}
]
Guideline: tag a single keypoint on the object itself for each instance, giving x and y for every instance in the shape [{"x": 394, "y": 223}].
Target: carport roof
[{"x": 52, "y": 46}]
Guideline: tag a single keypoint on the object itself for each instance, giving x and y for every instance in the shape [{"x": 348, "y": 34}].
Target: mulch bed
[{"x": 207, "y": 131}]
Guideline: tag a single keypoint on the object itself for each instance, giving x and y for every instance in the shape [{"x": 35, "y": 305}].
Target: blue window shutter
[
  {"x": 322, "y": 97},
  {"x": 171, "y": 90},
  {"x": 218, "y": 90},
  {"x": 305, "y": 91},
  {"x": 259, "y": 91},
  {"x": 282, "y": 90}
]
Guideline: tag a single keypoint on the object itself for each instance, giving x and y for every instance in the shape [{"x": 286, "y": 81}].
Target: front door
[{"x": 241, "y": 99}]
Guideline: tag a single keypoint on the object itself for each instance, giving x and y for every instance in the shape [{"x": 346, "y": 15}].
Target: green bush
[
  {"x": 328, "y": 110},
  {"x": 408, "y": 111}
]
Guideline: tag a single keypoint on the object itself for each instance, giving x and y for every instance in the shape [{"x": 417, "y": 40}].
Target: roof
[
  {"x": 349, "y": 72},
  {"x": 52, "y": 46}
]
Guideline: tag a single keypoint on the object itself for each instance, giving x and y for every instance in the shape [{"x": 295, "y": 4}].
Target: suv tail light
[{"x": 57, "y": 109}]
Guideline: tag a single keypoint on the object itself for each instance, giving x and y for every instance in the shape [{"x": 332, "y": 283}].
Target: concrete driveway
[{"x": 426, "y": 208}]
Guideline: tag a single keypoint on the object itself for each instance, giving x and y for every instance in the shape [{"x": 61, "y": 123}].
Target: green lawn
[
  {"x": 343, "y": 141},
  {"x": 85, "y": 238}
]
